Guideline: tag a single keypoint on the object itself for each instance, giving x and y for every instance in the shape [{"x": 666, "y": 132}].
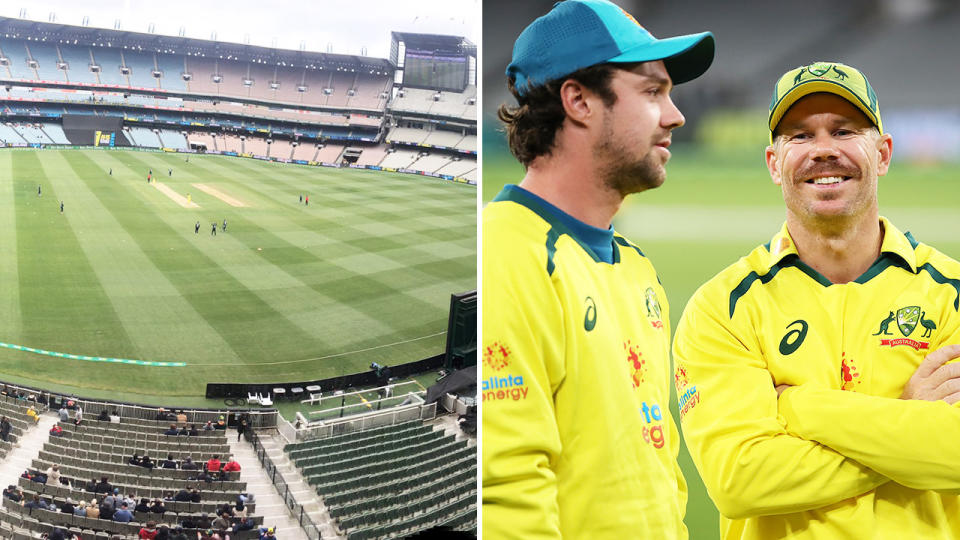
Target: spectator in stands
[
  {"x": 194, "y": 495},
  {"x": 208, "y": 426},
  {"x": 158, "y": 507},
  {"x": 193, "y": 431},
  {"x": 240, "y": 509},
  {"x": 221, "y": 423},
  {"x": 172, "y": 431},
  {"x": 266, "y": 533},
  {"x": 4, "y": 428},
  {"x": 107, "y": 506},
  {"x": 149, "y": 532},
  {"x": 91, "y": 486},
  {"x": 143, "y": 505},
  {"x": 169, "y": 463},
  {"x": 64, "y": 413},
  {"x": 123, "y": 515},
  {"x": 182, "y": 496},
  {"x": 188, "y": 464},
  {"x": 11, "y": 492},
  {"x": 241, "y": 427},
  {"x": 178, "y": 534},
  {"x": 163, "y": 533},
  {"x": 53, "y": 475},
  {"x": 67, "y": 507},
  {"x": 222, "y": 522},
  {"x": 104, "y": 416},
  {"x": 32, "y": 413},
  {"x": 163, "y": 414},
  {"x": 213, "y": 464},
  {"x": 181, "y": 418},
  {"x": 136, "y": 460},
  {"x": 148, "y": 463},
  {"x": 205, "y": 476},
  {"x": 36, "y": 502},
  {"x": 80, "y": 509},
  {"x": 104, "y": 486},
  {"x": 93, "y": 511},
  {"x": 202, "y": 522},
  {"x": 231, "y": 466},
  {"x": 130, "y": 500},
  {"x": 56, "y": 431},
  {"x": 78, "y": 417}
]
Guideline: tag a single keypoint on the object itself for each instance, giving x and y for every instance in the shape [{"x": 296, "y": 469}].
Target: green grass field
[
  {"x": 288, "y": 293},
  {"x": 715, "y": 208}
]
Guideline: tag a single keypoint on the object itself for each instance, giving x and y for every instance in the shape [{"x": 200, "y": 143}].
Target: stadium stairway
[
  {"x": 269, "y": 502},
  {"x": 26, "y": 450}
]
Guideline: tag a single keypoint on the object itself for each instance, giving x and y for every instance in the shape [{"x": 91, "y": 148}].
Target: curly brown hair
[{"x": 532, "y": 126}]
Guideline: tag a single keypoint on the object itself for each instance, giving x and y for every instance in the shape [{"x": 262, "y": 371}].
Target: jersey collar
[{"x": 895, "y": 243}]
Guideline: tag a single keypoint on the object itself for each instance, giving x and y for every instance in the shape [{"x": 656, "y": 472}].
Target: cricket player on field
[
  {"x": 813, "y": 386},
  {"x": 577, "y": 438}
]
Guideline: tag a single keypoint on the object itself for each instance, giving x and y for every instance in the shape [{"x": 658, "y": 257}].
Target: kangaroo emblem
[
  {"x": 799, "y": 75},
  {"x": 840, "y": 73},
  {"x": 885, "y": 324},
  {"x": 929, "y": 325}
]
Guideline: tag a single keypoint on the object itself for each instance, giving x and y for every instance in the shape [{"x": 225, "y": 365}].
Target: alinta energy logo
[
  {"x": 849, "y": 374},
  {"x": 508, "y": 387},
  {"x": 907, "y": 319},
  {"x": 637, "y": 365},
  {"x": 687, "y": 396}
]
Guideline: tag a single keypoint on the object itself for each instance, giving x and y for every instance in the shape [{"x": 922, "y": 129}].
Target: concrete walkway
[
  {"x": 26, "y": 450},
  {"x": 269, "y": 503}
]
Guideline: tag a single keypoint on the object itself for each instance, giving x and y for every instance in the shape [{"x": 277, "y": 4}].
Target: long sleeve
[
  {"x": 522, "y": 366},
  {"x": 750, "y": 464},
  {"x": 915, "y": 443}
]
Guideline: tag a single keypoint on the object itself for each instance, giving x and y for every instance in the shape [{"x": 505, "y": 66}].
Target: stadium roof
[{"x": 140, "y": 41}]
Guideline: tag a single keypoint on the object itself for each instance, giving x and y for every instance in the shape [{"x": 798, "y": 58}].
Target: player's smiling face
[
  {"x": 632, "y": 147},
  {"x": 827, "y": 158}
]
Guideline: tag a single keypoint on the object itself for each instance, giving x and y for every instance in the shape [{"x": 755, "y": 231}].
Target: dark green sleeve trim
[
  {"x": 940, "y": 278},
  {"x": 745, "y": 284},
  {"x": 552, "y": 236}
]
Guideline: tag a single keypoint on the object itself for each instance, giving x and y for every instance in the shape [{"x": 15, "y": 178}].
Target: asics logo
[{"x": 590, "y": 318}]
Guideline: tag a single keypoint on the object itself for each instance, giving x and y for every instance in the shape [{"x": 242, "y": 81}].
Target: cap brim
[
  {"x": 685, "y": 57},
  {"x": 814, "y": 86}
]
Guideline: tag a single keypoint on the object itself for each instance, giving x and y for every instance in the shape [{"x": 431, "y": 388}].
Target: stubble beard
[{"x": 623, "y": 173}]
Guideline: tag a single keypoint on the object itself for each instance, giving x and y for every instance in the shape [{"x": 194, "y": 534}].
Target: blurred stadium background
[
  {"x": 718, "y": 202},
  {"x": 342, "y": 331}
]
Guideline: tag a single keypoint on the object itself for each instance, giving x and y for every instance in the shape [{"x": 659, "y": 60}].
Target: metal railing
[{"x": 283, "y": 489}]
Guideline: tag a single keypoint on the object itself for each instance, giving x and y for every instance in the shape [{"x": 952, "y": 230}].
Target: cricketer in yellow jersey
[
  {"x": 814, "y": 391},
  {"x": 577, "y": 438}
]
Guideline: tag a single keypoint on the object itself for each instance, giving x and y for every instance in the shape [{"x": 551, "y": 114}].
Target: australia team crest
[{"x": 907, "y": 319}]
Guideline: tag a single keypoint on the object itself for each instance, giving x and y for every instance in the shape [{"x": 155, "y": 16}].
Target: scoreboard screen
[{"x": 430, "y": 69}]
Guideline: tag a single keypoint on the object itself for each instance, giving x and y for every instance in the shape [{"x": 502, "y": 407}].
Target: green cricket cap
[{"x": 832, "y": 77}]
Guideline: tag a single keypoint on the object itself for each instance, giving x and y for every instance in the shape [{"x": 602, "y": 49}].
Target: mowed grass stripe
[
  {"x": 432, "y": 260},
  {"x": 253, "y": 329},
  {"x": 290, "y": 270},
  {"x": 379, "y": 226},
  {"x": 9, "y": 272},
  {"x": 60, "y": 295},
  {"x": 316, "y": 270},
  {"x": 149, "y": 306}
]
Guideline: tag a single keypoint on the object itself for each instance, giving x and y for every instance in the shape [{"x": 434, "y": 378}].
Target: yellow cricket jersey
[
  {"x": 837, "y": 455},
  {"x": 578, "y": 441}
]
